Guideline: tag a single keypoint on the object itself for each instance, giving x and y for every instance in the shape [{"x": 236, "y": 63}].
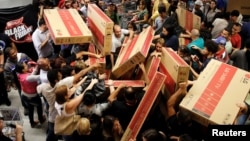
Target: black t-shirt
[{"x": 4, "y": 138}]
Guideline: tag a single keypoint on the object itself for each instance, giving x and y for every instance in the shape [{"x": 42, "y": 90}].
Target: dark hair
[
  {"x": 184, "y": 50},
  {"x": 89, "y": 98},
  {"x": 161, "y": 8},
  {"x": 61, "y": 92},
  {"x": 66, "y": 71},
  {"x": 58, "y": 62},
  {"x": 108, "y": 123},
  {"x": 184, "y": 117},
  {"x": 41, "y": 22},
  {"x": 130, "y": 93},
  {"x": 170, "y": 29},
  {"x": 211, "y": 46},
  {"x": 237, "y": 24},
  {"x": 228, "y": 30},
  {"x": 52, "y": 76},
  {"x": 153, "y": 135},
  {"x": 7, "y": 51},
  {"x": 65, "y": 53},
  {"x": 235, "y": 13},
  {"x": 19, "y": 67}
]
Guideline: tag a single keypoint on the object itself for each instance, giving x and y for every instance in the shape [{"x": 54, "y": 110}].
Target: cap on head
[
  {"x": 220, "y": 40},
  {"x": 198, "y": 3}
]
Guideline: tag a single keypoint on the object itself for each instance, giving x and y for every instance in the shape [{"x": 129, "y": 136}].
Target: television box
[
  {"x": 102, "y": 28},
  {"x": 213, "y": 97},
  {"x": 144, "y": 107},
  {"x": 66, "y": 26},
  {"x": 175, "y": 68},
  {"x": 133, "y": 53},
  {"x": 187, "y": 19},
  {"x": 133, "y": 83},
  {"x": 242, "y": 5}
]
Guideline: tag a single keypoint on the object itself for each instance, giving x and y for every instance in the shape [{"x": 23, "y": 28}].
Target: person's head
[
  {"x": 234, "y": 14},
  {"x": 111, "y": 125},
  {"x": 153, "y": 135},
  {"x": 210, "y": 47},
  {"x": 67, "y": 71},
  {"x": 111, "y": 7},
  {"x": 64, "y": 53},
  {"x": 117, "y": 31},
  {"x": 44, "y": 64},
  {"x": 142, "y": 5},
  {"x": 221, "y": 41},
  {"x": 168, "y": 30},
  {"x": 59, "y": 63},
  {"x": 197, "y": 5},
  {"x": 184, "y": 118},
  {"x": 75, "y": 4},
  {"x": 42, "y": 25},
  {"x": 79, "y": 65},
  {"x": 183, "y": 51},
  {"x": 61, "y": 93},
  {"x": 226, "y": 33},
  {"x": 86, "y": 2},
  {"x": 83, "y": 126},
  {"x": 212, "y": 4},
  {"x": 89, "y": 98},
  {"x": 130, "y": 96},
  {"x": 162, "y": 10},
  {"x": 159, "y": 44},
  {"x": 236, "y": 28},
  {"x": 21, "y": 67},
  {"x": 11, "y": 53},
  {"x": 195, "y": 33},
  {"x": 132, "y": 26},
  {"x": 54, "y": 76}
]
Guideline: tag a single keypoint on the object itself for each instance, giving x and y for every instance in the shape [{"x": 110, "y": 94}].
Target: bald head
[
  {"x": 195, "y": 32},
  {"x": 117, "y": 31}
]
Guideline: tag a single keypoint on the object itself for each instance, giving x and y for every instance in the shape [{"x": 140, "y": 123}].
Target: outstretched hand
[{"x": 92, "y": 83}]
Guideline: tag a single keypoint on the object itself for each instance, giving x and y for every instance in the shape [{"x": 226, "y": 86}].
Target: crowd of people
[{"x": 68, "y": 85}]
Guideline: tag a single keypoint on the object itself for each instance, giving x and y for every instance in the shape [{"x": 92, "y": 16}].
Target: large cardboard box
[
  {"x": 134, "y": 53},
  {"x": 175, "y": 68},
  {"x": 102, "y": 28},
  {"x": 213, "y": 97},
  {"x": 144, "y": 107},
  {"x": 187, "y": 19},
  {"x": 67, "y": 26},
  {"x": 242, "y": 5}
]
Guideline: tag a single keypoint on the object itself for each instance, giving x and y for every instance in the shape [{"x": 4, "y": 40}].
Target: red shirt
[{"x": 236, "y": 41}]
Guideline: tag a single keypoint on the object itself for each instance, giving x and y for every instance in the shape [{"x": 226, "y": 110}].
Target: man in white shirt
[
  {"x": 117, "y": 40},
  {"x": 42, "y": 41}
]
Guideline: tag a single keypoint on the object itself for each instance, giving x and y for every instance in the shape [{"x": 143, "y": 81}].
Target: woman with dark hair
[
  {"x": 111, "y": 129},
  {"x": 210, "y": 13},
  {"x": 169, "y": 35}
]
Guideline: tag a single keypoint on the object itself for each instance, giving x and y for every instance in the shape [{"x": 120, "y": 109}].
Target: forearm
[{"x": 44, "y": 43}]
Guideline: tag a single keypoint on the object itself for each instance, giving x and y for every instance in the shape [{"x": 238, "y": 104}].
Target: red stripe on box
[
  {"x": 189, "y": 20},
  {"x": 96, "y": 32},
  {"x": 147, "y": 43},
  {"x": 169, "y": 82},
  {"x": 100, "y": 12},
  {"x": 145, "y": 105},
  {"x": 92, "y": 60},
  {"x": 153, "y": 67},
  {"x": 129, "y": 50},
  {"x": 69, "y": 22},
  {"x": 176, "y": 57},
  {"x": 133, "y": 83},
  {"x": 215, "y": 89}
]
